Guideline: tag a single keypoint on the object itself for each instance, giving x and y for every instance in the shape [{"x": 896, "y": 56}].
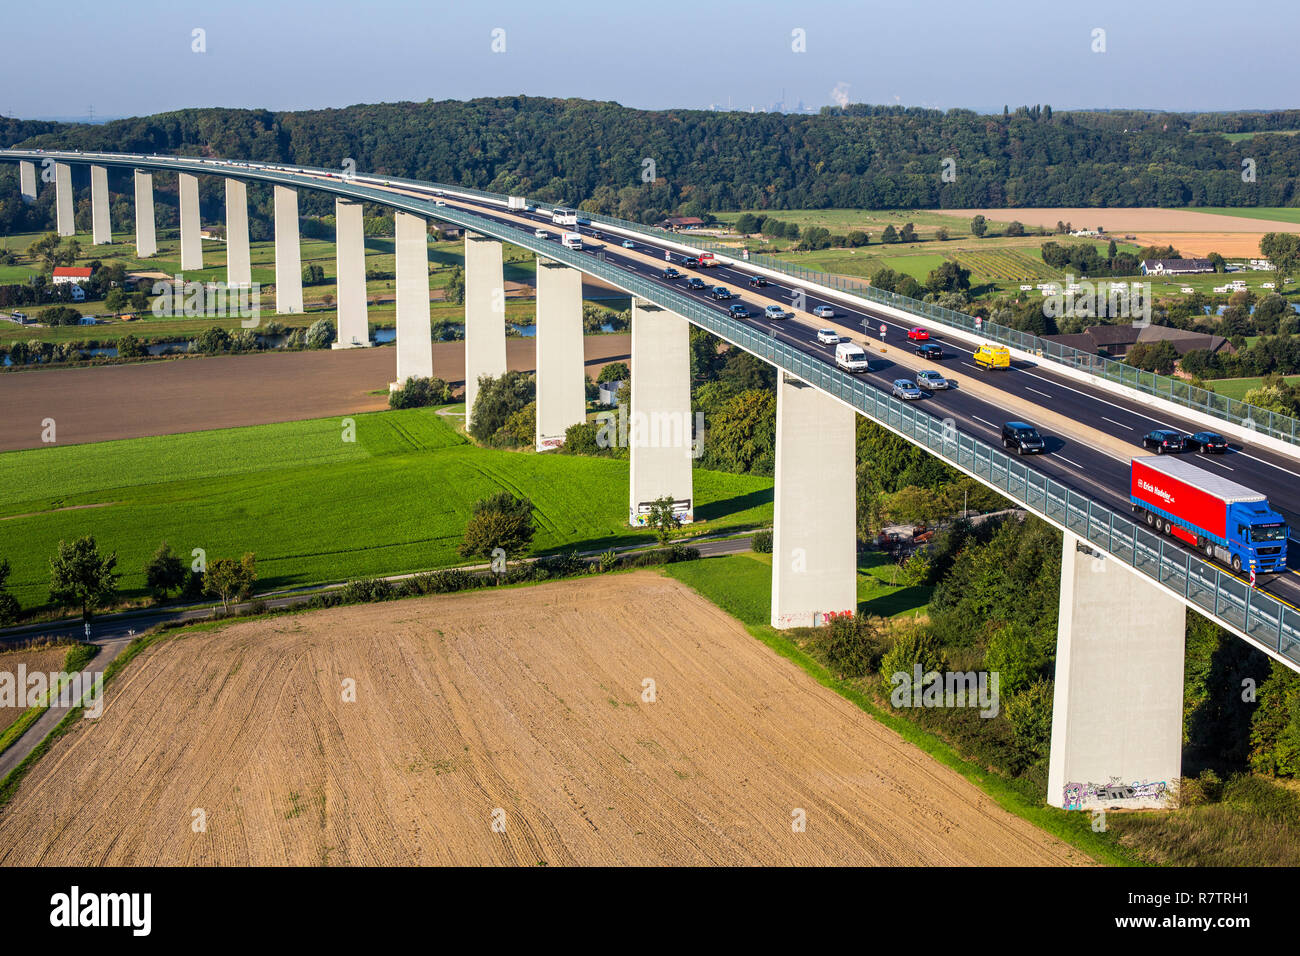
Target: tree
[
  {"x": 116, "y": 300},
  {"x": 164, "y": 572},
  {"x": 8, "y": 603},
  {"x": 907, "y": 233},
  {"x": 455, "y": 290},
  {"x": 979, "y": 225},
  {"x": 662, "y": 519},
  {"x": 614, "y": 372},
  {"x": 231, "y": 580},
  {"x": 522, "y": 425},
  {"x": 948, "y": 277},
  {"x": 857, "y": 238},
  {"x": 497, "y": 399},
  {"x": 889, "y": 235},
  {"x": 213, "y": 340},
  {"x": 417, "y": 392},
  {"x": 128, "y": 346},
  {"x": 746, "y": 224},
  {"x": 742, "y": 434},
  {"x": 313, "y": 274},
  {"x": 81, "y": 577},
  {"x": 1016, "y": 228},
  {"x": 1282, "y": 249},
  {"x": 941, "y": 234},
  {"x": 498, "y": 521},
  {"x": 1220, "y": 265},
  {"x": 320, "y": 334}
]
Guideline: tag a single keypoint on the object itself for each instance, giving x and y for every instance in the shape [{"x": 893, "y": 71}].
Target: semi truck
[
  {"x": 1215, "y": 515},
  {"x": 516, "y": 202},
  {"x": 571, "y": 240}
]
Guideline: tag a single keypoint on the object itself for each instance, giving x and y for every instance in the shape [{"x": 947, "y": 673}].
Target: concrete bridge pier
[
  {"x": 63, "y": 206},
  {"x": 485, "y": 314},
  {"x": 561, "y": 381},
  {"x": 191, "y": 243},
  {"x": 239, "y": 265},
  {"x": 350, "y": 259},
  {"x": 288, "y": 255},
  {"x": 659, "y": 421},
  {"x": 414, "y": 347},
  {"x": 814, "y": 539},
  {"x": 27, "y": 181},
  {"x": 101, "y": 229},
  {"x": 146, "y": 237},
  {"x": 1117, "y": 714}
]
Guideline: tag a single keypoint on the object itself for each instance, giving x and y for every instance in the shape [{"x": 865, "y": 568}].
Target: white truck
[
  {"x": 516, "y": 202},
  {"x": 571, "y": 240},
  {"x": 852, "y": 357}
]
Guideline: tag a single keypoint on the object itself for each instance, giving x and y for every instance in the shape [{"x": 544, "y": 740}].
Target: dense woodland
[{"x": 870, "y": 157}]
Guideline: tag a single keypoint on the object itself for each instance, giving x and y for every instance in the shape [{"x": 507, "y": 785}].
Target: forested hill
[{"x": 860, "y": 156}]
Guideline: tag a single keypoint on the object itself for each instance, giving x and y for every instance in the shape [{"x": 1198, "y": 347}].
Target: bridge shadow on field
[{"x": 719, "y": 509}]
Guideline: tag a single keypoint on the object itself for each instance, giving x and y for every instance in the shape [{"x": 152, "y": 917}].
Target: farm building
[
  {"x": 1116, "y": 340},
  {"x": 1175, "y": 267},
  {"x": 75, "y": 274}
]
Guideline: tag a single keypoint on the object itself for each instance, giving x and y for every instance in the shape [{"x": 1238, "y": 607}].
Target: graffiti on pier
[{"x": 1080, "y": 795}]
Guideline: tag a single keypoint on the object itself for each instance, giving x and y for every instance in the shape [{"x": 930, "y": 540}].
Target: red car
[{"x": 917, "y": 334}]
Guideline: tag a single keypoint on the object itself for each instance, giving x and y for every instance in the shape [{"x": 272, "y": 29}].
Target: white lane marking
[
  {"x": 1032, "y": 389},
  {"x": 1113, "y": 422},
  {"x": 1068, "y": 462},
  {"x": 990, "y": 424},
  {"x": 1207, "y": 460},
  {"x": 969, "y": 365}
]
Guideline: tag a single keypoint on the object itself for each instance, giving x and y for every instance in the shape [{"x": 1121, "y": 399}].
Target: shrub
[
  {"x": 762, "y": 542},
  {"x": 1030, "y": 714},
  {"x": 563, "y": 565},
  {"x": 321, "y": 334},
  {"x": 854, "y": 645},
  {"x": 914, "y": 646},
  {"x": 607, "y": 561},
  {"x": 1198, "y": 791},
  {"x": 366, "y": 591},
  {"x": 420, "y": 393}
]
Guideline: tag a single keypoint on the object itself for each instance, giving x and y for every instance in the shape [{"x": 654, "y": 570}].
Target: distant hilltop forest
[{"x": 644, "y": 164}]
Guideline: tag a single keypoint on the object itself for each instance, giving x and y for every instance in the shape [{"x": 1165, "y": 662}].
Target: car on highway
[
  {"x": 917, "y": 334},
  {"x": 439, "y": 203},
  {"x": 1164, "y": 439},
  {"x": 775, "y": 312},
  {"x": 1023, "y": 438},
  {"x": 906, "y": 389},
  {"x": 541, "y": 234},
  {"x": 720, "y": 292},
  {"x": 739, "y": 311},
  {"x": 629, "y": 244},
  {"x": 669, "y": 273},
  {"x": 695, "y": 282},
  {"x": 828, "y": 336},
  {"x": 929, "y": 351},
  {"x": 929, "y": 378},
  {"x": 690, "y": 262},
  {"x": 758, "y": 282},
  {"x": 992, "y": 356},
  {"x": 1208, "y": 443},
  {"x": 824, "y": 312}
]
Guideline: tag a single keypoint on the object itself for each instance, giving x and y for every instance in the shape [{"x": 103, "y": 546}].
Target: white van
[
  {"x": 564, "y": 217},
  {"x": 572, "y": 240},
  {"x": 852, "y": 357}
]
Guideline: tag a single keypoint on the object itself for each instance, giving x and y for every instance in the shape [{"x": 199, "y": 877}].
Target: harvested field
[
  {"x": 102, "y": 403},
  {"x": 45, "y": 660},
  {"x": 524, "y": 707},
  {"x": 1191, "y": 244},
  {"x": 1130, "y": 219}
]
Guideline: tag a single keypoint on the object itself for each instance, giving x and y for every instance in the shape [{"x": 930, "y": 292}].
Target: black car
[
  {"x": 670, "y": 273},
  {"x": 757, "y": 282},
  {"x": 738, "y": 311},
  {"x": 1023, "y": 438},
  {"x": 720, "y": 292},
  {"x": 930, "y": 351},
  {"x": 1208, "y": 443},
  {"x": 1164, "y": 439},
  {"x": 695, "y": 282},
  {"x": 691, "y": 262}
]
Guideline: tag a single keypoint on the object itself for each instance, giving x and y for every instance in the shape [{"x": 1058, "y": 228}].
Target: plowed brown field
[
  {"x": 46, "y": 660},
  {"x": 522, "y": 707}
]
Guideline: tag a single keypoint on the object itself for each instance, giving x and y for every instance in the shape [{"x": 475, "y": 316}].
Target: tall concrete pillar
[
  {"x": 485, "y": 314},
  {"x": 239, "y": 266},
  {"x": 146, "y": 239},
  {"x": 561, "y": 381},
  {"x": 27, "y": 181},
  {"x": 101, "y": 230},
  {"x": 814, "y": 531},
  {"x": 414, "y": 345},
  {"x": 288, "y": 255},
  {"x": 350, "y": 253},
  {"x": 1117, "y": 714},
  {"x": 191, "y": 242},
  {"x": 63, "y": 207},
  {"x": 659, "y": 426}
]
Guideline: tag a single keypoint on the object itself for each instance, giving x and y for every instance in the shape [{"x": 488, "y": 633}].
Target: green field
[
  {"x": 741, "y": 584},
  {"x": 313, "y": 507},
  {"x": 1275, "y": 213},
  {"x": 1238, "y": 387}
]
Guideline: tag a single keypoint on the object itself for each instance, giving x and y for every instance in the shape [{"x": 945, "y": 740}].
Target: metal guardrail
[{"x": 1251, "y": 613}]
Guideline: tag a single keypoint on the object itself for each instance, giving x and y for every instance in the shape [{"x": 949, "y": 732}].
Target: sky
[{"x": 114, "y": 58}]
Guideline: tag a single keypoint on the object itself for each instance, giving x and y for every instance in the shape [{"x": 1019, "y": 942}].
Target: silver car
[
  {"x": 906, "y": 389},
  {"x": 929, "y": 378}
]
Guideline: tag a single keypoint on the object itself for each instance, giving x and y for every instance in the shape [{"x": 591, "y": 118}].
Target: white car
[
  {"x": 629, "y": 244},
  {"x": 541, "y": 233},
  {"x": 440, "y": 203},
  {"x": 828, "y": 336},
  {"x": 824, "y": 312},
  {"x": 775, "y": 312}
]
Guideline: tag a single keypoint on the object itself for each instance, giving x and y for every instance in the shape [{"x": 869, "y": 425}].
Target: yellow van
[{"x": 993, "y": 356}]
